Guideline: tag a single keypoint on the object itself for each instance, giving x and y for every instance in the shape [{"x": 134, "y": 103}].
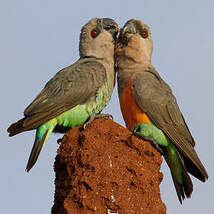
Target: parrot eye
[
  {"x": 94, "y": 33},
  {"x": 145, "y": 34}
]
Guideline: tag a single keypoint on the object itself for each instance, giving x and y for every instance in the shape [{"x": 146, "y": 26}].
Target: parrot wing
[
  {"x": 71, "y": 86},
  {"x": 155, "y": 97}
]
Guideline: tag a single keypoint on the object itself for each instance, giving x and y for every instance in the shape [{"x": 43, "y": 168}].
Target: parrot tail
[
  {"x": 16, "y": 128},
  {"x": 182, "y": 181},
  {"x": 42, "y": 134},
  {"x": 37, "y": 147}
]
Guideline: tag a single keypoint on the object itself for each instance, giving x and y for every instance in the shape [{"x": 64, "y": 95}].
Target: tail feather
[
  {"x": 185, "y": 189},
  {"x": 182, "y": 181},
  {"x": 16, "y": 128},
  {"x": 187, "y": 184},
  {"x": 179, "y": 189},
  {"x": 37, "y": 146}
]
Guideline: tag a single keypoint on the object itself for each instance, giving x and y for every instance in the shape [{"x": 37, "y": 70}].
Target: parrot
[
  {"x": 150, "y": 109},
  {"x": 76, "y": 94}
]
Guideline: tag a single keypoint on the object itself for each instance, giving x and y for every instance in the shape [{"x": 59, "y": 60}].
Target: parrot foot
[
  {"x": 104, "y": 115},
  {"x": 95, "y": 116},
  {"x": 137, "y": 130},
  {"x": 152, "y": 141}
]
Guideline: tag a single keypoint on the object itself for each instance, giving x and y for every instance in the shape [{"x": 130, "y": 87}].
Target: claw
[
  {"x": 59, "y": 141},
  {"x": 95, "y": 116},
  {"x": 136, "y": 128},
  {"x": 91, "y": 118},
  {"x": 105, "y": 115}
]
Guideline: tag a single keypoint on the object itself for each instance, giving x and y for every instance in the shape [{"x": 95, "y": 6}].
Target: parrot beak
[
  {"x": 124, "y": 29},
  {"x": 129, "y": 28},
  {"x": 111, "y": 26},
  {"x": 126, "y": 33}
]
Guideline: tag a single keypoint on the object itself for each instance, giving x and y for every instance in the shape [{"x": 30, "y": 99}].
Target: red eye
[
  {"x": 93, "y": 33},
  {"x": 145, "y": 34}
]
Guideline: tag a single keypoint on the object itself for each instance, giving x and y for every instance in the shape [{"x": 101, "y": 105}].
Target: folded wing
[{"x": 155, "y": 97}]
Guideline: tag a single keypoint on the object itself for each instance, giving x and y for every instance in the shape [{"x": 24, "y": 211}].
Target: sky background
[{"x": 38, "y": 38}]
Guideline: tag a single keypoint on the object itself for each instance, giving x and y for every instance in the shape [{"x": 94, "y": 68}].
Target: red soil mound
[{"x": 105, "y": 169}]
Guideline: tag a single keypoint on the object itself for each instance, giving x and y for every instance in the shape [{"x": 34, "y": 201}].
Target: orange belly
[{"x": 132, "y": 113}]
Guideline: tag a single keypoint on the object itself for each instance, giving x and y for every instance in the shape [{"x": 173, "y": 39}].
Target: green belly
[
  {"x": 80, "y": 113},
  {"x": 74, "y": 117}
]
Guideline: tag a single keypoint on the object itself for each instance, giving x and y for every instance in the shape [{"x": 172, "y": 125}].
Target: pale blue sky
[{"x": 38, "y": 38}]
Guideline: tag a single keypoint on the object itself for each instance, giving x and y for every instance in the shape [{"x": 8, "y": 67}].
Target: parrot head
[
  {"x": 136, "y": 33},
  {"x": 98, "y": 38}
]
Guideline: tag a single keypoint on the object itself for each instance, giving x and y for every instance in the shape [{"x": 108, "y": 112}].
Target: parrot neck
[
  {"x": 136, "y": 53},
  {"x": 129, "y": 59},
  {"x": 109, "y": 66},
  {"x": 101, "y": 49}
]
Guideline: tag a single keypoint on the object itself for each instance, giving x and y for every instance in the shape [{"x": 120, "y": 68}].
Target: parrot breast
[
  {"x": 102, "y": 98},
  {"x": 132, "y": 113}
]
